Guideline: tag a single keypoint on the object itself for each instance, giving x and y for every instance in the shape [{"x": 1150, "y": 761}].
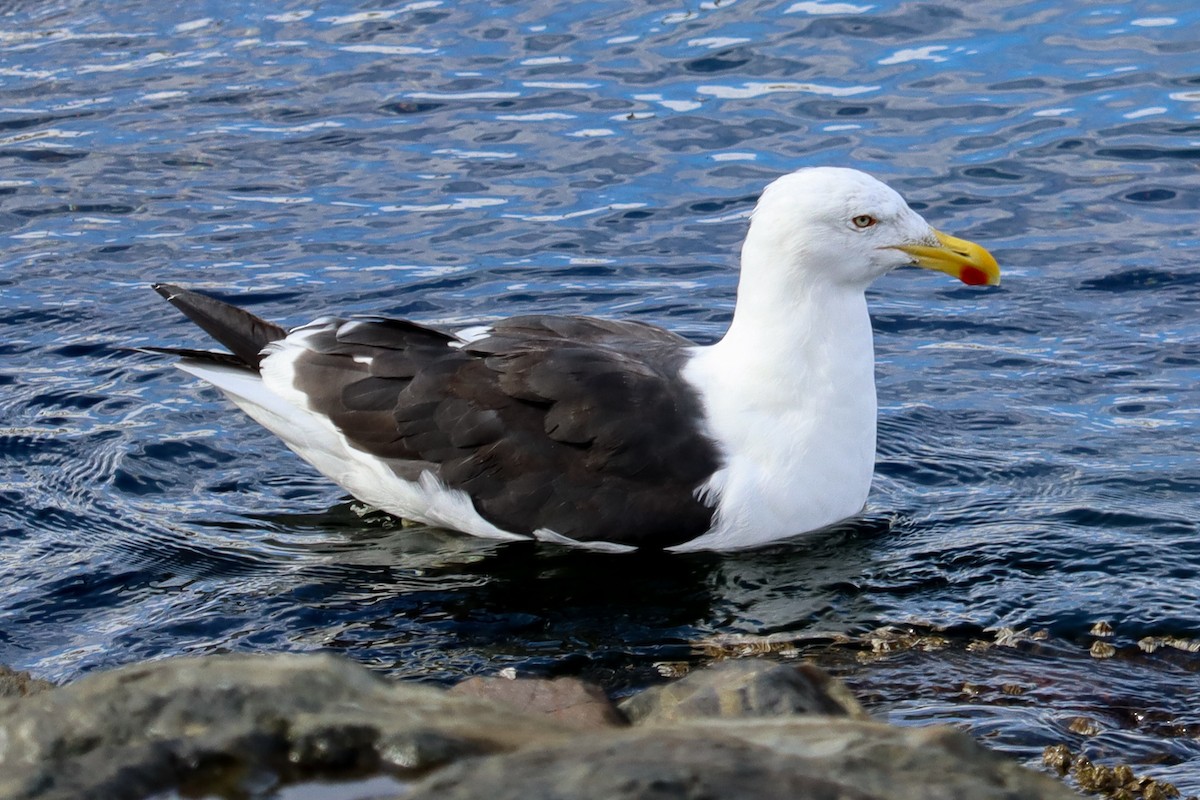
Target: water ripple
[{"x": 1037, "y": 468}]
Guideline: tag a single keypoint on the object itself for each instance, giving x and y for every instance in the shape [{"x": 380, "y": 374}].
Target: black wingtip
[{"x": 243, "y": 333}]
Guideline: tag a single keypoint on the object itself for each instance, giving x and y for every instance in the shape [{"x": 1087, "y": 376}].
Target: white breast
[{"x": 795, "y": 423}]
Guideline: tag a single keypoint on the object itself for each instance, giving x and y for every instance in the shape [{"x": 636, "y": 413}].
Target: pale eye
[{"x": 864, "y": 221}]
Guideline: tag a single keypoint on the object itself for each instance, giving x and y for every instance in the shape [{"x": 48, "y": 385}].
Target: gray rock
[
  {"x": 210, "y": 723},
  {"x": 744, "y": 688},
  {"x": 798, "y": 758},
  {"x": 20, "y": 684}
]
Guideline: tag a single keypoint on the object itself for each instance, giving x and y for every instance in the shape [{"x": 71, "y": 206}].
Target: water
[{"x": 459, "y": 161}]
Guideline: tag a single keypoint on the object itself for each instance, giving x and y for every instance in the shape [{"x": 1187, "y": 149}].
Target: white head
[
  {"x": 790, "y": 389},
  {"x": 843, "y": 227}
]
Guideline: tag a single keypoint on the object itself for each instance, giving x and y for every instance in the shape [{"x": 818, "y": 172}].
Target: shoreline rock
[
  {"x": 138, "y": 730},
  {"x": 764, "y": 759},
  {"x": 246, "y": 725}
]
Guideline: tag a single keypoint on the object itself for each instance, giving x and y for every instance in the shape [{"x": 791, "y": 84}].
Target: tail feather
[{"x": 243, "y": 333}]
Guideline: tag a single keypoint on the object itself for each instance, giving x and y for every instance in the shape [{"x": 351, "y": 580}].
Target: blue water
[{"x": 454, "y": 162}]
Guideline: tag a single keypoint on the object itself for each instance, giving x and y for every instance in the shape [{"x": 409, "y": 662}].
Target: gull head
[{"x": 830, "y": 225}]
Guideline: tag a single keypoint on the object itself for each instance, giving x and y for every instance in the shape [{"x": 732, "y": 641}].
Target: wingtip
[{"x": 166, "y": 290}]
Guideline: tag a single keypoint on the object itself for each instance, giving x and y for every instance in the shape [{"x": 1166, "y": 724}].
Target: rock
[
  {"x": 806, "y": 757},
  {"x": 242, "y": 726},
  {"x": 745, "y": 688},
  {"x": 20, "y": 684},
  {"x": 208, "y": 723},
  {"x": 570, "y": 701}
]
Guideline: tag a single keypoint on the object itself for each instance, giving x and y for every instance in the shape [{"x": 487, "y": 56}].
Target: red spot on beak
[{"x": 973, "y": 276}]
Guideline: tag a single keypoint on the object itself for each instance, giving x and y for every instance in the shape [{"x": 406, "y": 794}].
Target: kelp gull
[{"x": 609, "y": 434}]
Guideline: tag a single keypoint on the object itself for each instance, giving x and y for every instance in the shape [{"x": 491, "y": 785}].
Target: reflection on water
[{"x": 456, "y": 162}]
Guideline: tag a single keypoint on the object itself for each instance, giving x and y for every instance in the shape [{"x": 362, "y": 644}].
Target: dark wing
[{"x": 576, "y": 425}]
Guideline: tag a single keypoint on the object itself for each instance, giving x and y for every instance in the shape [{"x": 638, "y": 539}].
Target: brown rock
[
  {"x": 20, "y": 684},
  {"x": 567, "y": 700}
]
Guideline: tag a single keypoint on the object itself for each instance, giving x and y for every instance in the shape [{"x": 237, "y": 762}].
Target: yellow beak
[{"x": 965, "y": 260}]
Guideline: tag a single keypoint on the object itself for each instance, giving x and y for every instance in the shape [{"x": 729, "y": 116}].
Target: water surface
[{"x": 455, "y": 162}]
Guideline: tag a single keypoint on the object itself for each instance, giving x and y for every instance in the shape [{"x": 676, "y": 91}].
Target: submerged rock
[
  {"x": 1116, "y": 782},
  {"x": 242, "y": 726}
]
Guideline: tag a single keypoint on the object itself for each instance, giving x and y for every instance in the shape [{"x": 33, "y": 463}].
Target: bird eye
[{"x": 863, "y": 221}]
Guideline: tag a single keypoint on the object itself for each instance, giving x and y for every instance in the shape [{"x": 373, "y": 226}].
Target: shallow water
[{"x": 459, "y": 161}]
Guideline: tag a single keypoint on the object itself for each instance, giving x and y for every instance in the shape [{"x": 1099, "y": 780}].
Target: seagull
[{"x": 608, "y": 434}]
